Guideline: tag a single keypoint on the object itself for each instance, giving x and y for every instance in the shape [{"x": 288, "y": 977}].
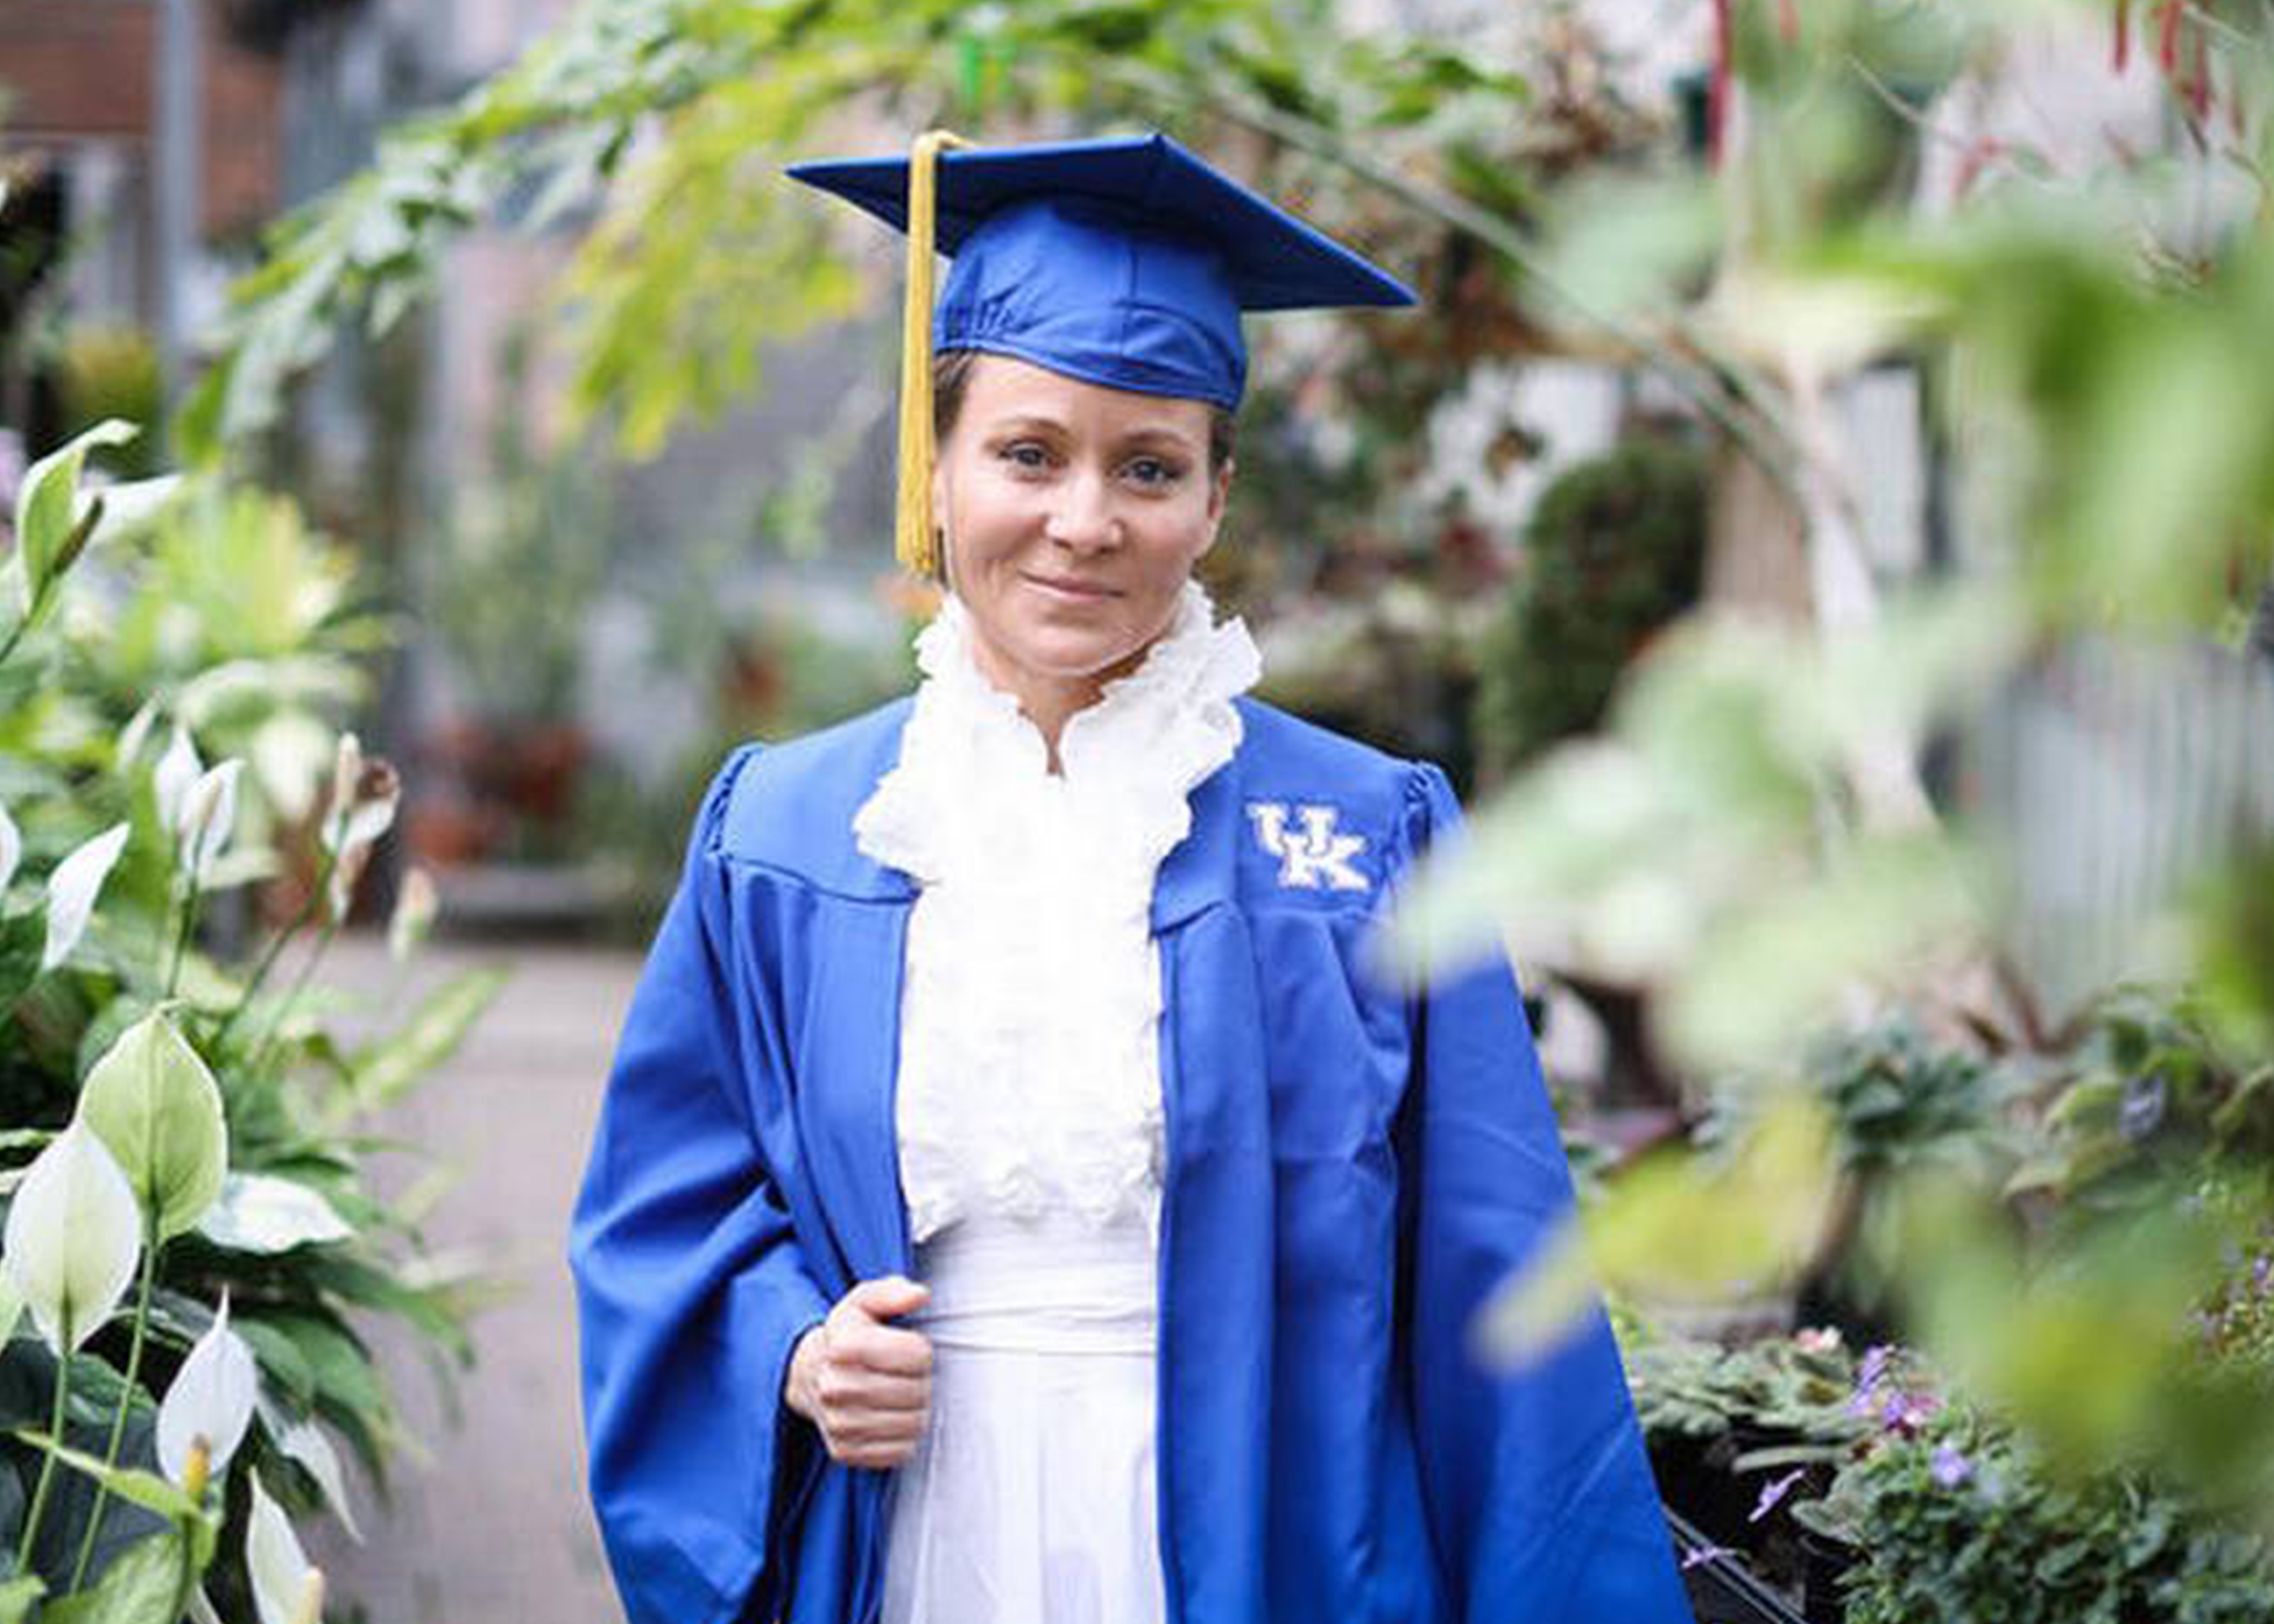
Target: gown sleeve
[
  {"x": 1537, "y": 1487},
  {"x": 690, "y": 1289}
]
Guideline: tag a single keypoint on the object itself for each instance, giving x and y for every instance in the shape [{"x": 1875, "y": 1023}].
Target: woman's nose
[{"x": 1083, "y": 517}]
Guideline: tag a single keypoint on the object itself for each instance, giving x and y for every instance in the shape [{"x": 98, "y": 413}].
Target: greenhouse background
[{"x": 1820, "y": 515}]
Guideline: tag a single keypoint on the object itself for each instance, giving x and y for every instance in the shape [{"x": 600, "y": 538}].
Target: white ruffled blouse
[{"x": 1029, "y": 1081}]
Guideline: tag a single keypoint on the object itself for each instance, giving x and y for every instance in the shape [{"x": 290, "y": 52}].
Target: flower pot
[{"x": 1823, "y": 1562}]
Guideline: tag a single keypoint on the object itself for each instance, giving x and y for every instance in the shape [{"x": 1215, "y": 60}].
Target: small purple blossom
[
  {"x": 1773, "y": 1491},
  {"x": 1703, "y": 1554},
  {"x": 2261, "y": 1274},
  {"x": 1901, "y": 1411},
  {"x": 1949, "y": 1468},
  {"x": 2141, "y": 1111},
  {"x": 1874, "y": 1366}
]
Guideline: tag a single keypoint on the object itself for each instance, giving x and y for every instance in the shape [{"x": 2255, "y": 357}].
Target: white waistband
[{"x": 1057, "y": 1285}]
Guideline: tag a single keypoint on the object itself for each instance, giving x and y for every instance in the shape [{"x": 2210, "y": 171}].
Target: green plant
[
  {"x": 512, "y": 578},
  {"x": 1958, "y": 1521},
  {"x": 1615, "y": 550},
  {"x": 2146, "y": 1088},
  {"x": 1796, "y": 1389},
  {"x": 193, "y": 1233},
  {"x": 105, "y": 372}
]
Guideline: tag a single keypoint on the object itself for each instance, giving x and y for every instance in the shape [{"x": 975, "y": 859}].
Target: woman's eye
[
  {"x": 1025, "y": 454},
  {"x": 1153, "y": 471}
]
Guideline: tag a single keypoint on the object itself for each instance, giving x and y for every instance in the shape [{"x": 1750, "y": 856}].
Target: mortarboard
[{"x": 1125, "y": 262}]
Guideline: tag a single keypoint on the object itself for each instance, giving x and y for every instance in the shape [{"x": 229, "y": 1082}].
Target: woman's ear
[{"x": 1219, "y": 494}]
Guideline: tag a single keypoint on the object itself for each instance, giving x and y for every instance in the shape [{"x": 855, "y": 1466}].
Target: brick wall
[{"x": 75, "y": 70}]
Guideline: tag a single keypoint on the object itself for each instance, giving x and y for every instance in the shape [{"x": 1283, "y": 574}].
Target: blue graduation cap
[{"x": 1125, "y": 262}]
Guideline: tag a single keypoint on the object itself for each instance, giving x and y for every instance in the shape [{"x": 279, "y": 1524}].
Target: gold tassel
[{"x": 912, "y": 535}]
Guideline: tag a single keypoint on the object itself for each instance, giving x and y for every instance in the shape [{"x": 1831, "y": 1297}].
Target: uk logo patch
[{"x": 1312, "y": 854}]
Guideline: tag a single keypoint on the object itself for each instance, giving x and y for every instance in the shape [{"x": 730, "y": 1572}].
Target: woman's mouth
[{"x": 1070, "y": 590}]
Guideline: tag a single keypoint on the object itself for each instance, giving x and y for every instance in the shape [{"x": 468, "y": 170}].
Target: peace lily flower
[
  {"x": 209, "y": 1405},
  {"x": 74, "y": 1234},
  {"x": 176, "y": 773},
  {"x": 11, "y": 848},
  {"x": 72, "y": 889},
  {"x": 286, "y": 1590},
  {"x": 365, "y": 794},
  {"x": 133, "y": 736},
  {"x": 208, "y": 818}
]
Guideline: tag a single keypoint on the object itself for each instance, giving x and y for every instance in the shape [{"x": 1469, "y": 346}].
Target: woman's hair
[{"x": 951, "y": 372}]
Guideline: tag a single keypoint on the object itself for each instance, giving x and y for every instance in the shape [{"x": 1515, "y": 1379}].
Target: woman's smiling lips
[{"x": 1071, "y": 591}]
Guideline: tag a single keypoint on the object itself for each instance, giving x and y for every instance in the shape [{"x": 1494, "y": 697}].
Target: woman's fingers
[
  {"x": 884, "y": 1349},
  {"x": 886, "y": 1297},
  {"x": 872, "y": 1385}
]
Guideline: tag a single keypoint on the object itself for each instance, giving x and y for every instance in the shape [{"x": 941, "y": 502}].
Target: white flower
[
  {"x": 134, "y": 735},
  {"x": 283, "y": 1583},
  {"x": 305, "y": 1443},
  {"x": 365, "y": 790},
  {"x": 71, "y": 891},
  {"x": 74, "y": 1236},
  {"x": 364, "y": 793},
  {"x": 11, "y": 848},
  {"x": 208, "y": 818},
  {"x": 176, "y": 774},
  {"x": 211, "y": 1398}
]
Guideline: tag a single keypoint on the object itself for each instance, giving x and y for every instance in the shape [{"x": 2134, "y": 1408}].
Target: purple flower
[
  {"x": 2261, "y": 1274},
  {"x": 1874, "y": 1367},
  {"x": 2141, "y": 1111},
  {"x": 1774, "y": 1491},
  {"x": 1901, "y": 1411},
  {"x": 1869, "y": 1375},
  {"x": 1703, "y": 1554},
  {"x": 1949, "y": 1468}
]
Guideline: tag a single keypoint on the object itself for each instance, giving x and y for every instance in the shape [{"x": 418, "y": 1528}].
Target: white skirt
[{"x": 1031, "y": 1497}]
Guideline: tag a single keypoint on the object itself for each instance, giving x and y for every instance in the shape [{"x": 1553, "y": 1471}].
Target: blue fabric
[
  {"x": 1125, "y": 262},
  {"x": 1350, "y": 1169}
]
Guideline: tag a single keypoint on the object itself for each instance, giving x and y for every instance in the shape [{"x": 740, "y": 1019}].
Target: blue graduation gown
[{"x": 1350, "y": 1168}]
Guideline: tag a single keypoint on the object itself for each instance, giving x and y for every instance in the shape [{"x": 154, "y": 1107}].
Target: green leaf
[
  {"x": 1678, "y": 1228},
  {"x": 157, "y": 1106},
  {"x": 50, "y": 523},
  {"x": 340, "y": 1370},
  {"x": 144, "y": 1489},
  {"x": 139, "y": 1588},
  {"x": 386, "y": 1071},
  {"x": 281, "y": 1358},
  {"x": 17, "y": 1596}
]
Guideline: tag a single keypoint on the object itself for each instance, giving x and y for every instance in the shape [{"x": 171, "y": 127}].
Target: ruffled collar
[{"x": 973, "y": 767}]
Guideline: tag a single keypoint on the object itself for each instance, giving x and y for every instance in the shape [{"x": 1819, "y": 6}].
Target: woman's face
[{"x": 1075, "y": 514}]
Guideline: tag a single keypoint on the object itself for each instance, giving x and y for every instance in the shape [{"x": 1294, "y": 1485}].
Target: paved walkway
[{"x": 496, "y": 1528}]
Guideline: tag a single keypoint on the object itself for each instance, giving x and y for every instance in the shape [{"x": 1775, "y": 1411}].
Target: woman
[{"x": 1013, "y": 1200}]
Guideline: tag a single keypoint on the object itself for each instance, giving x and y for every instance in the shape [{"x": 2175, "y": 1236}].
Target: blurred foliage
[
  {"x": 1793, "y": 1389},
  {"x": 510, "y": 580},
  {"x": 106, "y": 371},
  {"x": 775, "y": 675},
  {"x": 219, "y": 622},
  {"x": 1615, "y": 550}
]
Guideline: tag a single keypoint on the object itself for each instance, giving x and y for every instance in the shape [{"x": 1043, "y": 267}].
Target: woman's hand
[{"x": 864, "y": 1383}]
